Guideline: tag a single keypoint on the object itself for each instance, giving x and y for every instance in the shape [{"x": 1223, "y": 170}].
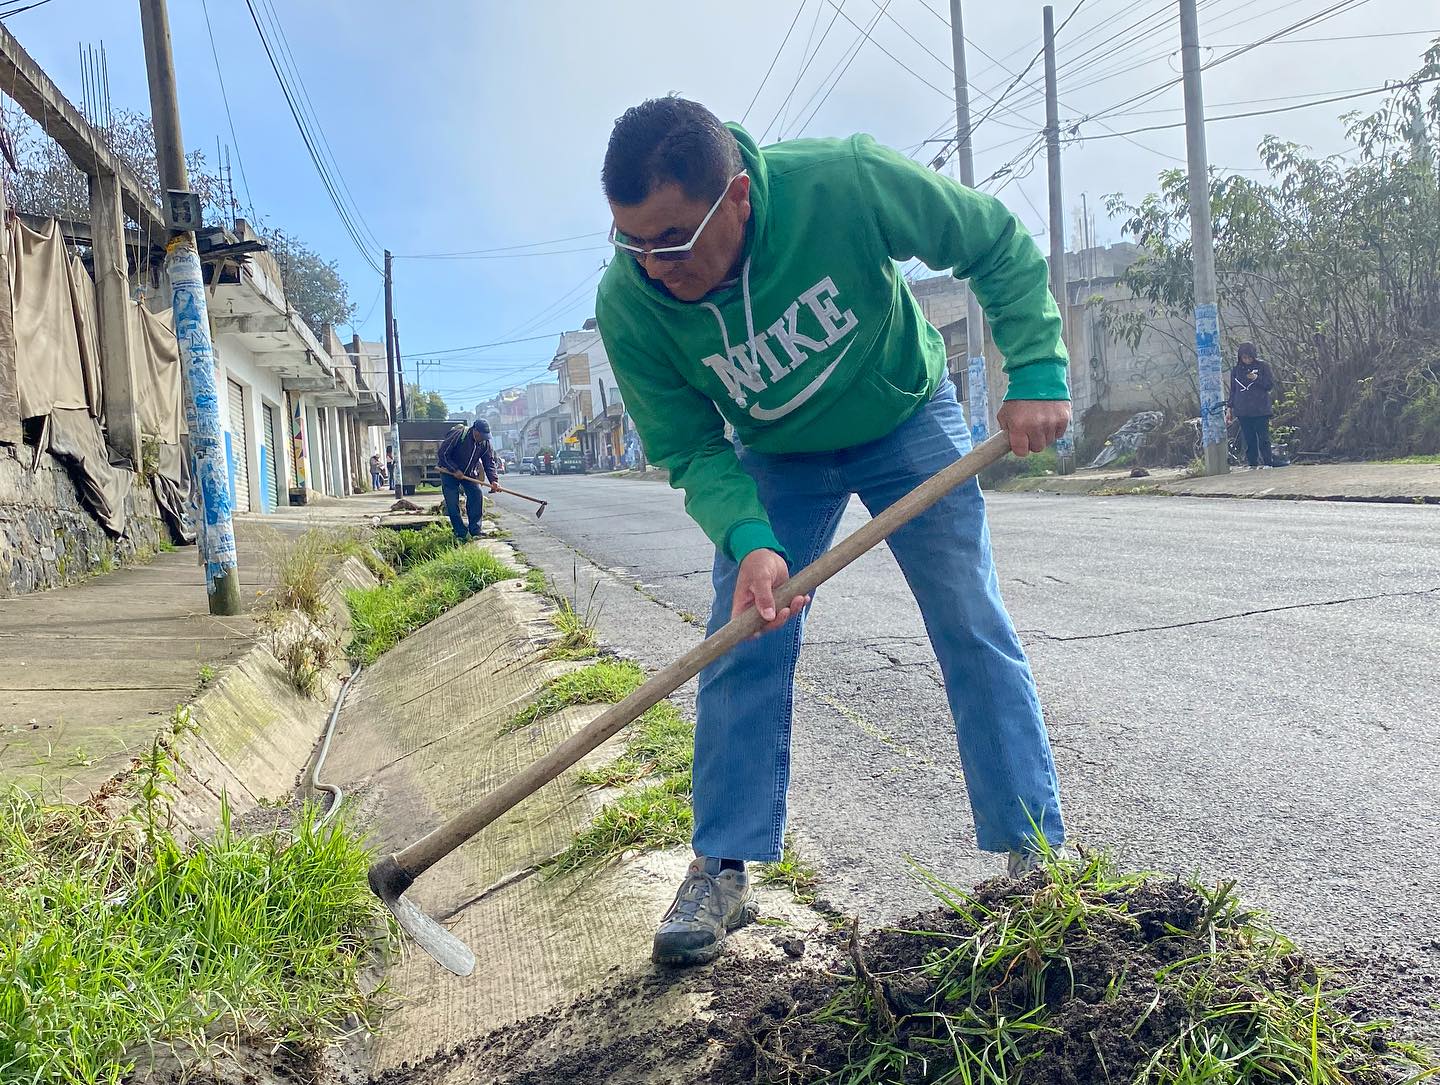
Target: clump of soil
[{"x": 1074, "y": 975}]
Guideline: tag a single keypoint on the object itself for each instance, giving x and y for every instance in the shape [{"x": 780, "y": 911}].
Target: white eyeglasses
[{"x": 672, "y": 252}]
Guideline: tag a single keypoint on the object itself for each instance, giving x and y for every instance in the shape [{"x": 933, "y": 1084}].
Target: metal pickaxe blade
[{"x": 392, "y": 875}]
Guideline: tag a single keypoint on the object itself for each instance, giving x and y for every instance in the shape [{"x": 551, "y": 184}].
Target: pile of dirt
[{"x": 1072, "y": 976}]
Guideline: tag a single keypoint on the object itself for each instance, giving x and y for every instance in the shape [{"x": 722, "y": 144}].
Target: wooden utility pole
[
  {"x": 391, "y": 360},
  {"x": 216, "y": 532},
  {"x": 1065, "y": 446},
  {"x": 1202, "y": 245},
  {"x": 978, "y": 396}
]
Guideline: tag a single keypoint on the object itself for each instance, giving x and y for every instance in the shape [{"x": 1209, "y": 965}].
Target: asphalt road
[{"x": 1243, "y": 689}]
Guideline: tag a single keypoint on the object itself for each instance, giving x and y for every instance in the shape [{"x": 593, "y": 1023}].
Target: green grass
[
  {"x": 405, "y": 548},
  {"x": 657, "y": 816},
  {"x": 382, "y": 615},
  {"x": 605, "y": 682},
  {"x": 1422, "y": 459},
  {"x": 113, "y": 942},
  {"x": 793, "y": 872},
  {"x": 662, "y": 743},
  {"x": 579, "y": 636},
  {"x": 536, "y": 582},
  {"x": 206, "y": 675}
]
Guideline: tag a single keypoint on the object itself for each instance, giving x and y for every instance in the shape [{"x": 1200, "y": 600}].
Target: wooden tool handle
[
  {"x": 441, "y": 841},
  {"x": 527, "y": 497}
]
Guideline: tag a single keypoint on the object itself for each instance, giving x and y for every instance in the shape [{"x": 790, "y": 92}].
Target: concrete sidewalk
[
  {"x": 94, "y": 669},
  {"x": 1393, "y": 483}
]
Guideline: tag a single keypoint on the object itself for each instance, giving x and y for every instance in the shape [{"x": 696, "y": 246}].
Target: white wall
[{"x": 261, "y": 385}]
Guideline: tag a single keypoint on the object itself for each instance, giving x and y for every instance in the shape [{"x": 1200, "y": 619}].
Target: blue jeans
[
  {"x": 451, "y": 486},
  {"x": 746, "y": 699}
]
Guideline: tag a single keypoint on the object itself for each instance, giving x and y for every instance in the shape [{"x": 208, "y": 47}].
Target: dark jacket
[
  {"x": 1251, "y": 383},
  {"x": 459, "y": 453}
]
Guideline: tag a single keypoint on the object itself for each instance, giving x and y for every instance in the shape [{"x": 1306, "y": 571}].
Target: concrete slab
[{"x": 417, "y": 742}]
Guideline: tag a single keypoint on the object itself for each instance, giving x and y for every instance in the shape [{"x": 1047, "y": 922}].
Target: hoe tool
[{"x": 392, "y": 875}]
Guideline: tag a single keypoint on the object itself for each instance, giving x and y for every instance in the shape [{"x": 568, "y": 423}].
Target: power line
[
  {"x": 22, "y": 10},
  {"x": 1277, "y": 109},
  {"x": 225, "y": 98},
  {"x": 783, "y": 42},
  {"x": 497, "y": 249},
  {"x": 804, "y": 68},
  {"x": 866, "y": 34},
  {"x": 315, "y": 157},
  {"x": 854, "y": 52},
  {"x": 315, "y": 124}
]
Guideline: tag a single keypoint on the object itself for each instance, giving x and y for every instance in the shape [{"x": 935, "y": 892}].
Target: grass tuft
[
  {"x": 793, "y": 872},
  {"x": 113, "y": 942},
  {"x": 405, "y": 548},
  {"x": 605, "y": 682},
  {"x": 658, "y": 816},
  {"x": 662, "y": 743},
  {"x": 382, "y": 615}
]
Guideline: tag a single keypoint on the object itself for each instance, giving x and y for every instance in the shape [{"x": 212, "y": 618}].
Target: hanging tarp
[
  {"x": 49, "y": 365},
  {"x": 76, "y": 440},
  {"x": 87, "y": 331},
  {"x": 157, "y": 374}
]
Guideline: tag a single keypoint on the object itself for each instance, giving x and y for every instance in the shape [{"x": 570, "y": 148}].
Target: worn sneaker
[
  {"x": 710, "y": 904},
  {"x": 1022, "y": 863}
]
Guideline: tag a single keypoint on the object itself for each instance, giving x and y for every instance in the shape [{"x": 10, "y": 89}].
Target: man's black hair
[{"x": 669, "y": 140}]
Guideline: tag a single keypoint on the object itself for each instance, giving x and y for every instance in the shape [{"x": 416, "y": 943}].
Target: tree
[
  {"x": 425, "y": 405},
  {"x": 47, "y": 183},
  {"x": 1330, "y": 265}
]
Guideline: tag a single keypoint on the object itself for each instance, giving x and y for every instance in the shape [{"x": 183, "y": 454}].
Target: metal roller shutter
[
  {"x": 272, "y": 454},
  {"x": 239, "y": 452}
]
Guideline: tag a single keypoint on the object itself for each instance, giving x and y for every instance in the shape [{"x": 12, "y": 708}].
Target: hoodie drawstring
[{"x": 739, "y": 395}]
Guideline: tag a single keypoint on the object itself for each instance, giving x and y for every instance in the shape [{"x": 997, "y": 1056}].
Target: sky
[{"x": 471, "y": 127}]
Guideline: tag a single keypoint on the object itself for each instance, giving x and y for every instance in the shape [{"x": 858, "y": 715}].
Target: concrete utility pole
[
  {"x": 397, "y": 479},
  {"x": 1202, "y": 245},
  {"x": 1065, "y": 446},
  {"x": 215, "y": 532},
  {"x": 979, "y": 392}
]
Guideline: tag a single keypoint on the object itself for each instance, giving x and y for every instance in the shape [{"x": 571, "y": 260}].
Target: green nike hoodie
[{"x": 819, "y": 345}]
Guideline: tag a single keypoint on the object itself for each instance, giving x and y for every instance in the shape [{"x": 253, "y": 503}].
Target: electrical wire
[
  {"x": 1278, "y": 109},
  {"x": 810, "y": 59},
  {"x": 314, "y": 120},
  {"x": 766, "y": 78},
  {"x": 225, "y": 98},
  {"x": 22, "y": 10},
  {"x": 854, "y": 52},
  {"x": 497, "y": 249},
  {"x": 361, "y": 246}
]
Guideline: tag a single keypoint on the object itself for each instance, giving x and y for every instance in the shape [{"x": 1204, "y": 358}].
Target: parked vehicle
[
  {"x": 570, "y": 462},
  {"x": 527, "y": 465}
]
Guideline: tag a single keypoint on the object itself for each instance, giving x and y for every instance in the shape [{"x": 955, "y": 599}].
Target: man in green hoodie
[{"x": 758, "y": 287}]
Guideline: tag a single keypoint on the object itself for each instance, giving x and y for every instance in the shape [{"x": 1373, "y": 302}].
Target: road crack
[{"x": 1042, "y": 635}]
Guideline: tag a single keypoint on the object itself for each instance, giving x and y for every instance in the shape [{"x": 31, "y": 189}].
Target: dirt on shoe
[{"x": 1074, "y": 975}]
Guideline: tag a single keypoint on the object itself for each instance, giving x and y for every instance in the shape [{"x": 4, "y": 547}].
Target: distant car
[
  {"x": 527, "y": 465},
  {"x": 570, "y": 463}
]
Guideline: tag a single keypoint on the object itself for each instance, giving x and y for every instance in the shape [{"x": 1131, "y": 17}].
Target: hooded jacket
[
  {"x": 819, "y": 344},
  {"x": 1251, "y": 383}
]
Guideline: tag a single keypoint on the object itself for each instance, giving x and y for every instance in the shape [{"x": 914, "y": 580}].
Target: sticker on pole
[{"x": 182, "y": 211}]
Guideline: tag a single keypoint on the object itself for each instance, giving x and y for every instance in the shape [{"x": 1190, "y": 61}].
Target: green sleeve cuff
[
  {"x": 1038, "y": 380},
  {"x": 747, "y": 536}
]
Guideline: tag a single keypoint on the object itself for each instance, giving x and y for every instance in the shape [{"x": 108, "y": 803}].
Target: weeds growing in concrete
[
  {"x": 605, "y": 682},
  {"x": 206, "y": 675},
  {"x": 579, "y": 637},
  {"x": 382, "y": 615},
  {"x": 793, "y": 872},
  {"x": 405, "y": 548},
  {"x": 114, "y": 942},
  {"x": 657, "y": 816},
  {"x": 306, "y": 660},
  {"x": 662, "y": 743}
]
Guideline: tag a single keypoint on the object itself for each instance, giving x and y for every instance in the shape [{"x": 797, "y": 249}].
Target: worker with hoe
[
  {"x": 461, "y": 453},
  {"x": 759, "y": 287}
]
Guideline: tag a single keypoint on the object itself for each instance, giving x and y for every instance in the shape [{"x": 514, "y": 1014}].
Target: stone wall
[{"x": 48, "y": 539}]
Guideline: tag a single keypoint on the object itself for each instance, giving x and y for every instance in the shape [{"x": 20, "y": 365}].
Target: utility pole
[
  {"x": 215, "y": 532},
  {"x": 979, "y": 392},
  {"x": 1202, "y": 245},
  {"x": 1065, "y": 446},
  {"x": 397, "y": 472}
]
